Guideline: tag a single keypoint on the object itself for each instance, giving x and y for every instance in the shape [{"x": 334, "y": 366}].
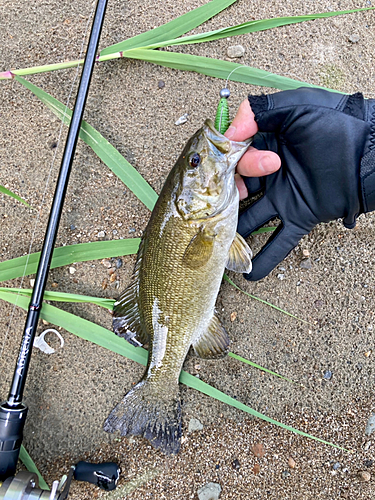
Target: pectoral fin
[
  {"x": 214, "y": 343},
  {"x": 199, "y": 250},
  {"x": 239, "y": 257}
]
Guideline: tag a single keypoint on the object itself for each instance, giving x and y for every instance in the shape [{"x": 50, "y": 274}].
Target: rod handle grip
[{"x": 105, "y": 475}]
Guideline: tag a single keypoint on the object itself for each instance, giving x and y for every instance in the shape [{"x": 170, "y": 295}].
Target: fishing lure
[{"x": 222, "y": 112}]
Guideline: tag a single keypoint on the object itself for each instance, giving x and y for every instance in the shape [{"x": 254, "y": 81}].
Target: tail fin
[{"x": 155, "y": 416}]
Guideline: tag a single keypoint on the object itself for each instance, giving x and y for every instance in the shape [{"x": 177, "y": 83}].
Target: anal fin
[{"x": 214, "y": 343}]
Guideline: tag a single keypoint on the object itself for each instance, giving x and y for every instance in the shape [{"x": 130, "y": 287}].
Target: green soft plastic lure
[{"x": 222, "y": 113}]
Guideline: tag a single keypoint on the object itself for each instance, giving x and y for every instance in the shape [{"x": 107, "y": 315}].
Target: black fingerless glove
[{"x": 326, "y": 142}]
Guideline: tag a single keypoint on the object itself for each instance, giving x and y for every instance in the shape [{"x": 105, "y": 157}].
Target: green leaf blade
[
  {"x": 6, "y": 191},
  {"x": 226, "y": 278},
  {"x": 63, "y": 256},
  {"x": 64, "y": 297},
  {"x": 249, "y": 27},
  {"x": 107, "y": 339},
  {"x": 106, "y": 152},
  {"x": 31, "y": 467},
  {"x": 217, "y": 68},
  {"x": 175, "y": 28}
]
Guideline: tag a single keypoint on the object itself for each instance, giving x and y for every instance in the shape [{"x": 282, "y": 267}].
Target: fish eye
[{"x": 194, "y": 160}]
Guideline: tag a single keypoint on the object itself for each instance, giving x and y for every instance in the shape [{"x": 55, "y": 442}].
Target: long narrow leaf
[
  {"x": 108, "y": 304},
  {"x": 216, "y": 68},
  {"x": 161, "y": 36},
  {"x": 105, "y": 338},
  {"x": 13, "y": 195},
  {"x": 63, "y": 256},
  {"x": 31, "y": 467},
  {"x": 106, "y": 152},
  {"x": 241, "y": 29},
  {"x": 64, "y": 297},
  {"x": 173, "y": 29},
  {"x": 255, "y": 365},
  {"x": 226, "y": 278}
]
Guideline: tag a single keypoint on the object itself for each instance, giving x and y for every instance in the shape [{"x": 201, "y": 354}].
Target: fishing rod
[{"x": 13, "y": 411}]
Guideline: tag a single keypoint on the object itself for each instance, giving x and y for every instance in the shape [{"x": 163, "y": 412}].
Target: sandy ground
[{"x": 71, "y": 392}]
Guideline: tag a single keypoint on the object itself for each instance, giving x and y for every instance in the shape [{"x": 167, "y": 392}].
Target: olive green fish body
[{"x": 189, "y": 240}]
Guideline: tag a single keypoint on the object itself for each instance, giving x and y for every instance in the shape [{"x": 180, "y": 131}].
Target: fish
[{"x": 170, "y": 303}]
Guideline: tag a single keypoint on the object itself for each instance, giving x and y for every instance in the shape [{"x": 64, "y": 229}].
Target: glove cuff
[{"x": 367, "y": 168}]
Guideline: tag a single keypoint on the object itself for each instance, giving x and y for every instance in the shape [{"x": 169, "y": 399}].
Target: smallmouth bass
[{"x": 170, "y": 304}]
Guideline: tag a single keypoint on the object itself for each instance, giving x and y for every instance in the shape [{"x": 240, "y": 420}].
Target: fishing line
[{"x": 47, "y": 181}]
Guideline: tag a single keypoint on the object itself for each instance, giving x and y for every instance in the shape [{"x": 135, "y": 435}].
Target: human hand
[
  {"x": 326, "y": 143},
  {"x": 254, "y": 163}
]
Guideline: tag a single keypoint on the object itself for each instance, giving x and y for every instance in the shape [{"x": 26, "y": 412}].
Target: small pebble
[
  {"x": 370, "y": 427},
  {"x": 210, "y": 491},
  {"x": 115, "y": 232},
  {"x": 118, "y": 263},
  {"x": 161, "y": 84},
  {"x": 32, "y": 282},
  {"x": 327, "y": 375},
  {"x": 235, "y": 51},
  {"x": 72, "y": 227},
  {"x": 285, "y": 474},
  {"x": 336, "y": 466},
  {"x": 305, "y": 253},
  {"x": 236, "y": 464},
  {"x": 233, "y": 316},
  {"x": 363, "y": 475},
  {"x": 353, "y": 38},
  {"x": 256, "y": 469},
  {"x": 183, "y": 119},
  {"x": 305, "y": 264},
  {"x": 258, "y": 450},
  {"x": 367, "y": 445},
  {"x": 101, "y": 234},
  {"x": 106, "y": 263},
  {"x": 368, "y": 353},
  {"x": 368, "y": 463},
  {"x": 282, "y": 269},
  {"x": 195, "y": 425},
  {"x": 291, "y": 463},
  {"x": 132, "y": 230},
  {"x": 72, "y": 270},
  {"x": 111, "y": 270},
  {"x": 281, "y": 276},
  {"x": 55, "y": 285}
]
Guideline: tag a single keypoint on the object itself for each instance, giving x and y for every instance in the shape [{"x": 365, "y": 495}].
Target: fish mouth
[{"x": 232, "y": 149}]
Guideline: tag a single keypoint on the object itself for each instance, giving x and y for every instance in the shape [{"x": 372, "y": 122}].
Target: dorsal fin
[{"x": 126, "y": 318}]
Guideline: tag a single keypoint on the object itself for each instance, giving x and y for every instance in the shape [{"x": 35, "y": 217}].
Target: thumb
[{"x": 243, "y": 126}]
